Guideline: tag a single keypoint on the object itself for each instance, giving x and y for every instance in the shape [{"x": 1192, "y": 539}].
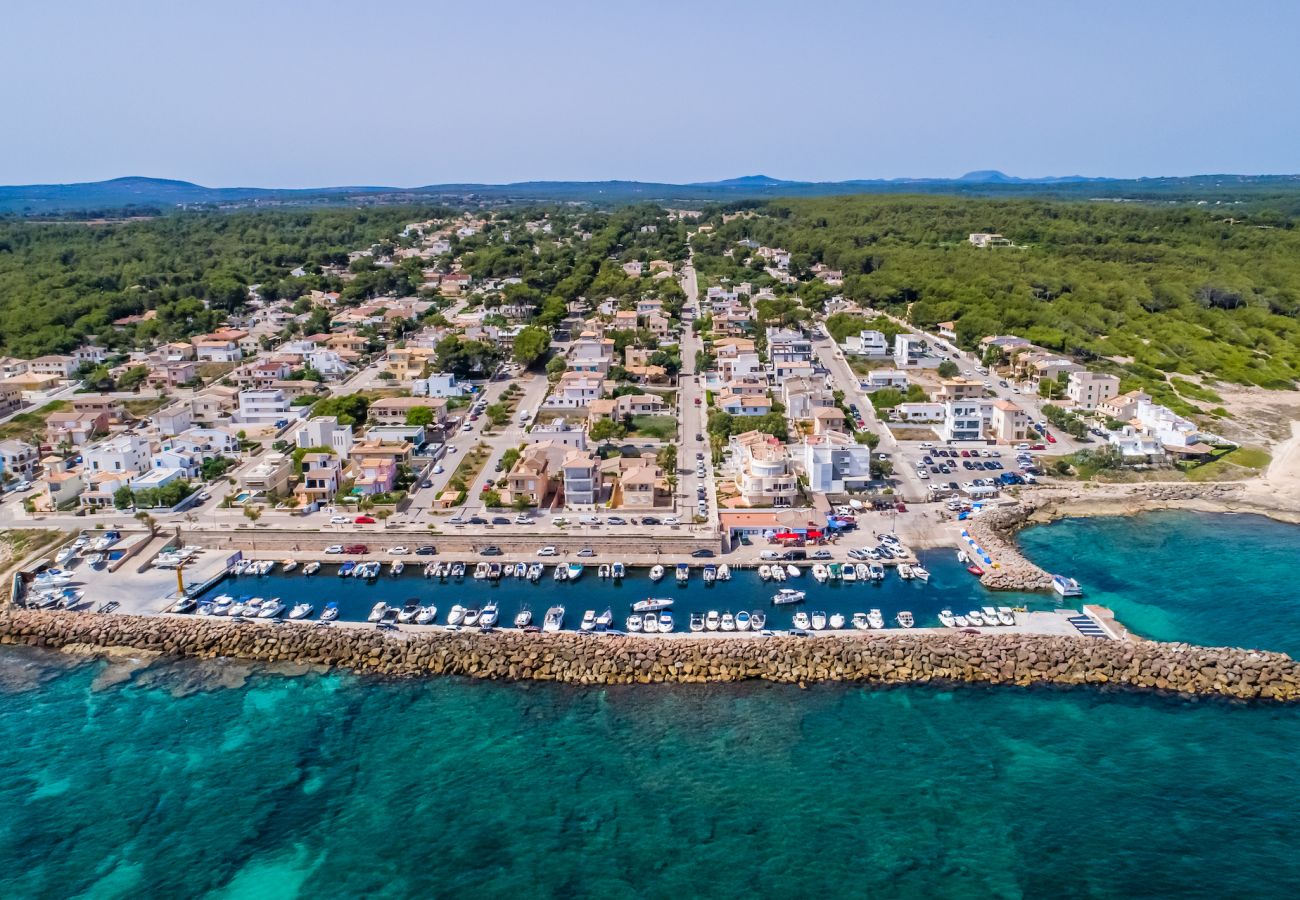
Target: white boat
[
  {"x": 561, "y": 572},
  {"x": 905, "y": 619},
  {"x": 712, "y": 620},
  {"x": 786, "y": 596},
  {"x": 271, "y": 609},
  {"x": 656, "y": 573},
  {"x": 397, "y": 567},
  {"x": 946, "y": 618},
  {"x": 800, "y": 620},
  {"x": 409, "y": 612},
  {"x": 1066, "y": 587},
  {"x": 875, "y": 619},
  {"x": 575, "y": 571},
  {"x": 64, "y": 555},
  {"x": 1006, "y": 616},
  {"x": 603, "y": 571},
  {"x": 683, "y": 572},
  {"x": 765, "y": 572},
  {"x": 905, "y": 571},
  {"x": 588, "y": 620},
  {"x": 863, "y": 571},
  {"x": 697, "y": 621},
  {"x": 860, "y": 621},
  {"x": 877, "y": 571},
  {"x": 793, "y": 571},
  {"x": 960, "y": 621},
  {"x": 650, "y": 622},
  {"x": 472, "y": 616},
  {"x": 728, "y": 622},
  {"x": 742, "y": 621},
  {"x": 837, "y": 620},
  {"x": 221, "y": 604},
  {"x": 778, "y": 573},
  {"x": 377, "y": 611},
  {"x": 488, "y": 617},
  {"x": 457, "y": 615},
  {"x": 920, "y": 573},
  {"x": 990, "y": 615},
  {"x": 426, "y": 615},
  {"x": 524, "y": 617},
  {"x": 724, "y": 572},
  {"x": 818, "y": 620},
  {"x": 301, "y": 610},
  {"x": 95, "y": 560},
  {"x": 820, "y": 573},
  {"x": 974, "y": 617},
  {"x": 330, "y": 612},
  {"x": 634, "y": 623},
  {"x": 617, "y": 571},
  {"x": 757, "y": 620},
  {"x": 458, "y": 570},
  {"x": 535, "y": 572},
  {"x": 53, "y": 576},
  {"x": 710, "y": 574},
  {"x": 665, "y": 622},
  {"x": 848, "y": 573},
  {"x": 311, "y": 568},
  {"x": 481, "y": 571},
  {"x": 288, "y": 565},
  {"x": 963, "y": 557},
  {"x": 605, "y": 619},
  {"x": 554, "y": 619},
  {"x": 652, "y": 604}
]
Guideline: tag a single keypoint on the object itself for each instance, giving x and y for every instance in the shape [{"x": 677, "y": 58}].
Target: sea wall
[{"x": 877, "y": 658}]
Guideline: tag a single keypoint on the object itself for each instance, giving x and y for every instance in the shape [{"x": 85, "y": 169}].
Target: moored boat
[
  {"x": 724, "y": 572},
  {"x": 683, "y": 572},
  {"x": 860, "y": 621},
  {"x": 697, "y": 621},
  {"x": 875, "y": 619},
  {"x": 905, "y": 619},
  {"x": 311, "y": 568},
  {"x": 457, "y": 615},
  {"x": 905, "y": 571},
  {"x": 818, "y": 619},
  {"x": 849, "y": 573},
  {"x": 656, "y": 572},
  {"x": 742, "y": 621},
  {"x": 920, "y": 573},
  {"x": 652, "y": 604},
  {"x": 836, "y": 620},
  {"x": 712, "y": 620},
  {"x": 426, "y": 615},
  {"x": 1066, "y": 587},
  {"x": 757, "y": 620},
  {"x": 617, "y": 570},
  {"x": 330, "y": 612},
  {"x": 1006, "y": 616},
  {"x": 793, "y": 571},
  {"x": 409, "y": 611},
  {"x": 634, "y": 623},
  {"x": 301, "y": 610},
  {"x": 377, "y": 611},
  {"x": 946, "y": 618},
  {"x": 800, "y": 620},
  {"x": 650, "y": 623},
  {"x": 820, "y": 572},
  {"x": 488, "y": 617},
  {"x": 786, "y": 596},
  {"x": 665, "y": 622},
  {"x": 575, "y": 571},
  {"x": 728, "y": 622},
  {"x": 765, "y": 572},
  {"x": 588, "y": 620},
  {"x": 524, "y": 617},
  {"x": 975, "y": 570},
  {"x": 554, "y": 620}
]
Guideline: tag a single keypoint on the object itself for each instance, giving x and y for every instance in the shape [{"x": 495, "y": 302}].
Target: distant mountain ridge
[{"x": 166, "y": 194}]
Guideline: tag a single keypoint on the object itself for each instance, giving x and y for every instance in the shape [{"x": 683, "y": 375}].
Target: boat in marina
[
  {"x": 397, "y": 567},
  {"x": 494, "y": 571},
  {"x": 818, "y": 619},
  {"x": 535, "y": 572},
  {"x": 183, "y": 605},
  {"x": 524, "y": 617},
  {"x": 488, "y": 617},
  {"x": 561, "y": 572},
  {"x": 962, "y": 556},
  {"x": 905, "y": 619},
  {"x": 603, "y": 570},
  {"x": 301, "y": 610},
  {"x": 786, "y": 596},
  {"x": 458, "y": 570},
  {"x": 990, "y": 615},
  {"x": 849, "y": 573},
  {"x": 875, "y": 619},
  {"x": 728, "y": 622},
  {"x": 920, "y": 573},
  {"x": 710, "y": 574},
  {"x": 697, "y": 621},
  {"x": 836, "y": 620},
  {"x": 656, "y": 573},
  {"x": 652, "y": 604},
  {"x": 821, "y": 573},
  {"x": 575, "y": 571},
  {"x": 800, "y": 620},
  {"x": 793, "y": 571},
  {"x": 724, "y": 572},
  {"x": 905, "y": 571},
  {"x": 877, "y": 571},
  {"x": 95, "y": 560},
  {"x": 430, "y": 570},
  {"x": 1066, "y": 587},
  {"x": 288, "y": 565},
  {"x": 757, "y": 620},
  {"x": 1006, "y": 616},
  {"x": 409, "y": 611},
  {"x": 311, "y": 568},
  {"x": 683, "y": 572},
  {"x": 617, "y": 570},
  {"x": 588, "y": 620},
  {"x": 64, "y": 554},
  {"x": 860, "y": 621},
  {"x": 377, "y": 611},
  {"x": 665, "y": 622},
  {"x": 765, "y": 572},
  {"x": 650, "y": 622},
  {"x": 742, "y": 621},
  {"x": 480, "y": 571},
  {"x": 946, "y": 618},
  {"x": 836, "y": 571},
  {"x": 554, "y": 620},
  {"x": 634, "y": 623},
  {"x": 221, "y": 604},
  {"x": 778, "y": 573},
  {"x": 457, "y": 615},
  {"x": 974, "y": 617},
  {"x": 330, "y": 612},
  {"x": 960, "y": 621},
  {"x": 712, "y": 620},
  {"x": 426, "y": 615},
  {"x": 472, "y": 616},
  {"x": 271, "y": 609}
]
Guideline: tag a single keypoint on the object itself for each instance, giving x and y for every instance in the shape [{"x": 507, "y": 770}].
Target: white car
[
  {"x": 588, "y": 520},
  {"x": 547, "y": 551},
  {"x": 398, "y": 551},
  {"x": 339, "y": 520},
  {"x": 451, "y": 449},
  {"x": 467, "y": 427},
  {"x": 438, "y": 469},
  {"x": 769, "y": 554},
  {"x": 672, "y": 520},
  {"x": 334, "y": 548},
  {"x": 926, "y": 445},
  {"x": 522, "y": 519}
]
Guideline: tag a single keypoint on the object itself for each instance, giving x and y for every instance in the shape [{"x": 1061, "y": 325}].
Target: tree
[
  {"x": 123, "y": 498},
  {"x": 531, "y": 344},
  {"x": 555, "y": 366},
  {"x": 252, "y": 513},
  {"x": 666, "y": 457},
  {"x": 605, "y": 429},
  {"x": 520, "y": 503},
  {"x": 148, "y": 521},
  {"x": 498, "y": 414},
  {"x": 948, "y": 369},
  {"x": 419, "y": 415},
  {"x": 492, "y": 499},
  {"x": 351, "y": 409}
]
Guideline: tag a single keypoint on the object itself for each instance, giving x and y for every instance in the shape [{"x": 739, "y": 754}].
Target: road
[{"x": 693, "y": 416}]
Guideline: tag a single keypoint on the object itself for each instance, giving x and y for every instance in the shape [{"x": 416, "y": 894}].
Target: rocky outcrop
[
  {"x": 1012, "y": 659},
  {"x": 995, "y": 530}
]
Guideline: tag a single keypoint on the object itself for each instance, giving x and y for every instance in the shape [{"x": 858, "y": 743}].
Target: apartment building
[{"x": 1088, "y": 390}]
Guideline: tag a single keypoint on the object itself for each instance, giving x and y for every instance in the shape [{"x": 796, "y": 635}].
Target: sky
[{"x": 337, "y": 92}]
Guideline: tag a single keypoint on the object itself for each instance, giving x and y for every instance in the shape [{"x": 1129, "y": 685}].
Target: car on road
[
  {"x": 427, "y": 483},
  {"x": 588, "y": 520},
  {"x": 769, "y": 554},
  {"x": 452, "y": 449},
  {"x": 204, "y": 497},
  {"x": 586, "y": 551},
  {"x": 1050, "y": 438},
  {"x": 437, "y": 470},
  {"x": 426, "y": 550},
  {"x": 398, "y": 551},
  {"x": 649, "y": 520},
  {"x": 339, "y": 520},
  {"x": 500, "y": 520},
  {"x": 467, "y": 427},
  {"x": 523, "y": 519},
  {"x": 477, "y": 520},
  {"x": 547, "y": 551},
  {"x": 699, "y": 437},
  {"x": 616, "y": 520},
  {"x": 697, "y": 401},
  {"x": 334, "y": 548},
  {"x": 490, "y": 550},
  {"x": 672, "y": 520},
  {"x": 356, "y": 549},
  {"x": 364, "y": 520},
  {"x": 1037, "y": 446},
  {"x": 821, "y": 554},
  {"x": 702, "y": 553}
]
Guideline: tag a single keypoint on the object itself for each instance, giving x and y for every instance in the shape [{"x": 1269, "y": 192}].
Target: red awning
[
  {"x": 788, "y": 536},
  {"x": 812, "y": 533}
]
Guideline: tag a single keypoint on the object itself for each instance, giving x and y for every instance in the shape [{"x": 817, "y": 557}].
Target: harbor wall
[{"x": 870, "y": 658}]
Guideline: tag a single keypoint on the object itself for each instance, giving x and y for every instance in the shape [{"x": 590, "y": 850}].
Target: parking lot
[{"x": 975, "y": 471}]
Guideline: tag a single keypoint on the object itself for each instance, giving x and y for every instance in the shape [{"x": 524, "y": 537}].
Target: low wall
[{"x": 586, "y": 659}]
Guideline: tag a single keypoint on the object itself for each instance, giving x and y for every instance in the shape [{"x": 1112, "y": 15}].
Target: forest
[{"x": 1146, "y": 291}]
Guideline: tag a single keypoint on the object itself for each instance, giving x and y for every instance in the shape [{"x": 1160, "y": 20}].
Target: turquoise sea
[{"x": 223, "y": 780}]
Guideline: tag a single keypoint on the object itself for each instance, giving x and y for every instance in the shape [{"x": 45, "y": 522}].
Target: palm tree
[
  {"x": 148, "y": 521},
  {"x": 253, "y": 513}
]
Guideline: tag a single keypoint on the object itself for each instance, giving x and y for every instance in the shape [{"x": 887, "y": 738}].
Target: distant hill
[{"x": 124, "y": 194}]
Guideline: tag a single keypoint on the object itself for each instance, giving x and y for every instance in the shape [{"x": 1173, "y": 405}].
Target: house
[
  {"x": 408, "y": 363},
  {"x": 394, "y": 410},
  {"x": 828, "y": 419},
  {"x": 178, "y": 458},
  {"x": 878, "y": 379},
  {"x": 1089, "y": 390},
  {"x": 786, "y": 348},
  {"x": 1176, "y": 434},
  {"x": 559, "y": 432},
  {"x": 270, "y": 476},
  {"x": 263, "y": 407},
  {"x": 583, "y": 484},
  {"x": 758, "y": 462},
  {"x": 438, "y": 384},
  {"x": 834, "y": 463},
  {"x": 52, "y": 365},
  {"x": 11, "y": 366},
  {"x": 19, "y": 458},
  {"x": 948, "y": 330},
  {"x": 983, "y": 239},
  {"x": 1134, "y": 446},
  {"x": 1123, "y": 406},
  {"x": 321, "y": 479},
  {"x": 633, "y": 269},
  {"x": 739, "y": 365},
  {"x": 176, "y": 351},
  {"x": 960, "y": 389},
  {"x": 868, "y": 343},
  {"x": 919, "y": 412},
  {"x": 1005, "y": 344},
  {"x": 639, "y": 483},
  {"x": 325, "y": 431},
  {"x": 576, "y": 389},
  {"x": 588, "y": 355},
  {"x": 964, "y": 420},
  {"x": 172, "y": 420},
  {"x": 909, "y": 349},
  {"x": 126, "y": 452},
  {"x": 11, "y": 398},
  {"x": 744, "y": 405},
  {"x": 98, "y": 488},
  {"x": 659, "y": 325},
  {"x": 74, "y": 429},
  {"x": 172, "y": 374},
  {"x": 215, "y": 403},
  {"x": 800, "y": 396},
  {"x": 62, "y": 488},
  {"x": 1009, "y": 423},
  {"x": 370, "y": 453},
  {"x": 535, "y": 474},
  {"x": 220, "y": 346},
  {"x": 1039, "y": 366}
]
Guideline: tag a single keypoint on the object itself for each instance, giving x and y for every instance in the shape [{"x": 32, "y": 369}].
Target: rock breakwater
[{"x": 1011, "y": 659}]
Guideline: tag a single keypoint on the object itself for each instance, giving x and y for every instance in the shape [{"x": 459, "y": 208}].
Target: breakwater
[{"x": 1011, "y": 659}]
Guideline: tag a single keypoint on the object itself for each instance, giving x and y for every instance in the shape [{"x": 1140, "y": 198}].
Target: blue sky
[{"x": 406, "y": 93}]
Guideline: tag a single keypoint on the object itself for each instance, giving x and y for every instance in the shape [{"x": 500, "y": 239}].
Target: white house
[
  {"x": 919, "y": 412},
  {"x": 264, "y": 407},
  {"x": 965, "y": 420},
  {"x": 127, "y": 452},
  {"x": 868, "y": 343},
  {"x": 908, "y": 350},
  {"x": 439, "y": 384},
  {"x": 878, "y": 379},
  {"x": 325, "y": 431},
  {"x": 1089, "y": 389},
  {"x": 834, "y": 462},
  {"x": 174, "y": 419}
]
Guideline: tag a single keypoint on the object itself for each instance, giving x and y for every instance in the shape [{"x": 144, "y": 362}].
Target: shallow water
[{"x": 222, "y": 780}]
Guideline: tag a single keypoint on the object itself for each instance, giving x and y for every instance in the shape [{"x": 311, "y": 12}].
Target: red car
[
  {"x": 965, "y": 453},
  {"x": 1037, "y": 446},
  {"x": 1050, "y": 439},
  {"x": 356, "y": 549},
  {"x": 365, "y": 520},
  {"x": 697, "y": 401}
]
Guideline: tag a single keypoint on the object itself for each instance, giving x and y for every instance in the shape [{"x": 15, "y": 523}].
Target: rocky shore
[{"x": 1012, "y": 659}]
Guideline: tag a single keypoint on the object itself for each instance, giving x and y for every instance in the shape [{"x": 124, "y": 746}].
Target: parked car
[
  {"x": 616, "y": 520},
  {"x": 672, "y": 520},
  {"x": 365, "y": 520},
  {"x": 356, "y": 549},
  {"x": 334, "y": 548},
  {"x": 477, "y": 520},
  {"x": 426, "y": 550},
  {"x": 398, "y": 551},
  {"x": 339, "y": 520},
  {"x": 821, "y": 554},
  {"x": 547, "y": 551},
  {"x": 702, "y": 553},
  {"x": 500, "y": 520},
  {"x": 769, "y": 554},
  {"x": 649, "y": 520},
  {"x": 490, "y": 550},
  {"x": 586, "y": 551}
]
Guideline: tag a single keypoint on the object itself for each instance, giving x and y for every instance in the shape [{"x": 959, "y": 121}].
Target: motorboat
[
  {"x": 409, "y": 612},
  {"x": 697, "y": 622},
  {"x": 778, "y": 573},
  {"x": 818, "y": 620},
  {"x": 962, "y": 556},
  {"x": 288, "y": 565},
  {"x": 377, "y": 611},
  {"x": 946, "y": 618},
  {"x": 990, "y": 615},
  {"x": 311, "y": 568},
  {"x": 603, "y": 571},
  {"x": 634, "y": 623},
  {"x": 554, "y": 619},
  {"x": 786, "y": 596},
  {"x": 64, "y": 555},
  {"x": 457, "y": 615},
  {"x": 652, "y": 604},
  {"x": 494, "y": 571},
  {"x": 524, "y": 617},
  {"x": 960, "y": 621},
  {"x": 875, "y": 619},
  {"x": 1066, "y": 587},
  {"x": 836, "y": 572},
  {"x": 710, "y": 574},
  {"x": 535, "y": 572},
  {"x": 656, "y": 573},
  {"x": 975, "y": 570},
  {"x": 860, "y": 621},
  {"x": 430, "y": 570},
  {"x": 458, "y": 570},
  {"x": 975, "y": 617},
  {"x": 588, "y": 620},
  {"x": 724, "y": 572},
  {"x": 837, "y": 620},
  {"x": 617, "y": 570},
  {"x": 742, "y": 621},
  {"x": 183, "y": 605},
  {"x": 605, "y": 619},
  {"x": 650, "y": 622},
  {"x": 712, "y": 620},
  {"x": 877, "y": 571},
  {"x": 1006, "y": 616},
  {"x": 793, "y": 571},
  {"x": 800, "y": 620},
  {"x": 95, "y": 560},
  {"x": 765, "y": 572},
  {"x": 905, "y": 619},
  {"x": 920, "y": 573},
  {"x": 683, "y": 572},
  {"x": 481, "y": 571},
  {"x": 757, "y": 620},
  {"x": 665, "y": 622},
  {"x": 905, "y": 571},
  {"x": 346, "y": 569},
  {"x": 561, "y": 573},
  {"x": 396, "y": 567},
  {"x": 849, "y": 573},
  {"x": 488, "y": 618},
  {"x": 820, "y": 572},
  {"x": 728, "y": 622},
  {"x": 426, "y": 615},
  {"x": 53, "y": 577},
  {"x": 472, "y": 616},
  {"x": 221, "y": 604},
  {"x": 271, "y": 609},
  {"x": 575, "y": 571},
  {"x": 301, "y": 610}
]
